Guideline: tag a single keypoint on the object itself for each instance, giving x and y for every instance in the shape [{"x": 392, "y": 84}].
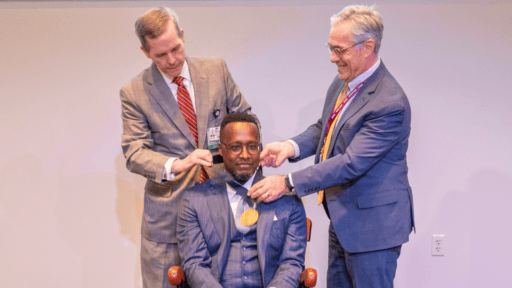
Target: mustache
[{"x": 245, "y": 162}]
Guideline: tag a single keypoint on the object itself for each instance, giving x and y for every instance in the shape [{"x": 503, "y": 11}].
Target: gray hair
[
  {"x": 153, "y": 24},
  {"x": 366, "y": 23}
]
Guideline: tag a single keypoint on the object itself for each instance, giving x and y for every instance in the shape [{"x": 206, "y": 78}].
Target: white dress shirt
[{"x": 235, "y": 198}]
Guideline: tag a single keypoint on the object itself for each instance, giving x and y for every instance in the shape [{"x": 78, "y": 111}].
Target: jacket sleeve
[
  {"x": 308, "y": 141},
  {"x": 137, "y": 141},
  {"x": 291, "y": 261},
  {"x": 195, "y": 257},
  {"x": 380, "y": 131}
]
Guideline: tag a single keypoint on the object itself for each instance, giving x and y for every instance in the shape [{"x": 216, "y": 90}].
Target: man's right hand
[
  {"x": 274, "y": 154},
  {"x": 198, "y": 157}
]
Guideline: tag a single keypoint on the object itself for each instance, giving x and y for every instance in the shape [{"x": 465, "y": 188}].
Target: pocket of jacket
[{"x": 364, "y": 202}]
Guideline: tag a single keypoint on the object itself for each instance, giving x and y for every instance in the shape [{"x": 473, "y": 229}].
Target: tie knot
[
  {"x": 345, "y": 88},
  {"x": 178, "y": 80},
  {"x": 242, "y": 191}
]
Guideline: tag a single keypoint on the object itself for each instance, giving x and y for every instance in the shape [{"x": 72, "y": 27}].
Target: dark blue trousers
[{"x": 360, "y": 270}]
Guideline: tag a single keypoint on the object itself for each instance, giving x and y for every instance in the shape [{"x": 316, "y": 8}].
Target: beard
[{"x": 242, "y": 178}]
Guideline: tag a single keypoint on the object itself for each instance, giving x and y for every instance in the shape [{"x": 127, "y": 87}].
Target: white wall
[{"x": 70, "y": 212}]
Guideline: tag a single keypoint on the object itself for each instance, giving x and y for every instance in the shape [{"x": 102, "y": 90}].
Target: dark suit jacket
[
  {"x": 204, "y": 237},
  {"x": 154, "y": 130},
  {"x": 368, "y": 197}
]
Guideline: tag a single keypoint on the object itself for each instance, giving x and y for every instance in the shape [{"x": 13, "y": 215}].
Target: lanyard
[{"x": 337, "y": 110}]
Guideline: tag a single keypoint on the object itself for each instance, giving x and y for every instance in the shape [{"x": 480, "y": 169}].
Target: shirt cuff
[
  {"x": 296, "y": 148},
  {"x": 167, "y": 173},
  {"x": 291, "y": 182}
]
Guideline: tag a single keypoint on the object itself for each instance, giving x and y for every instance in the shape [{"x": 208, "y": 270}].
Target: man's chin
[{"x": 242, "y": 178}]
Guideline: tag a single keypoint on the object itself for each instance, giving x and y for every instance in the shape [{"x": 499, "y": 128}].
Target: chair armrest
[
  {"x": 308, "y": 278},
  {"x": 176, "y": 276}
]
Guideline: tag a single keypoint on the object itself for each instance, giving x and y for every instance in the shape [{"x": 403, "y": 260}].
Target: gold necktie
[{"x": 341, "y": 97}]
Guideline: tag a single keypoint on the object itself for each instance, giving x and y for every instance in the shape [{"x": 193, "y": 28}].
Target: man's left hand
[{"x": 269, "y": 189}]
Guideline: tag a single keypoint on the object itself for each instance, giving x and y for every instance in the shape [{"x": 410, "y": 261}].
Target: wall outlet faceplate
[{"x": 438, "y": 245}]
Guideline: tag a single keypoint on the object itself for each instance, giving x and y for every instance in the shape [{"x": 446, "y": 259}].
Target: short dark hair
[{"x": 239, "y": 117}]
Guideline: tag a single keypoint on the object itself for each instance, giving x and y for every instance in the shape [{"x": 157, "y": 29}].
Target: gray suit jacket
[
  {"x": 204, "y": 237},
  {"x": 368, "y": 193},
  {"x": 154, "y": 130}
]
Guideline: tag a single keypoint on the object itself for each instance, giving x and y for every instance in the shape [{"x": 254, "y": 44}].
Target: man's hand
[
  {"x": 269, "y": 189},
  {"x": 274, "y": 154},
  {"x": 198, "y": 157}
]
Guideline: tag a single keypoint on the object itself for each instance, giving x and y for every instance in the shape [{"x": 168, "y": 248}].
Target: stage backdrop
[{"x": 70, "y": 211}]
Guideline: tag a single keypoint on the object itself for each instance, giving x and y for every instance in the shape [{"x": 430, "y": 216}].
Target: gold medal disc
[{"x": 249, "y": 217}]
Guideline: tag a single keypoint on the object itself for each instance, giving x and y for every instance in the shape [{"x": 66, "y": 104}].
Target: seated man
[{"x": 215, "y": 247}]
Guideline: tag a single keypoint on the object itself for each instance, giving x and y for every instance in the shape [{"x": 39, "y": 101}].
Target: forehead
[
  {"x": 163, "y": 42},
  {"x": 240, "y": 131},
  {"x": 340, "y": 32}
]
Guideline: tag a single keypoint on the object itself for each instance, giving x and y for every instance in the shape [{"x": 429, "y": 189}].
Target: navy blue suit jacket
[
  {"x": 204, "y": 237},
  {"x": 365, "y": 174}
]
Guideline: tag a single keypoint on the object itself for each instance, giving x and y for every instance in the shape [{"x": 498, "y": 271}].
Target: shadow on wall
[
  {"x": 64, "y": 224},
  {"x": 129, "y": 207}
]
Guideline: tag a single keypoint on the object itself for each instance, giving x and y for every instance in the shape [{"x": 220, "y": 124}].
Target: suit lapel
[
  {"x": 362, "y": 97},
  {"x": 202, "y": 99},
  {"x": 264, "y": 224},
  {"x": 221, "y": 217},
  {"x": 163, "y": 95}
]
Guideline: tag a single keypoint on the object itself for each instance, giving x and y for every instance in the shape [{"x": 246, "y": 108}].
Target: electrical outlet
[{"x": 438, "y": 245}]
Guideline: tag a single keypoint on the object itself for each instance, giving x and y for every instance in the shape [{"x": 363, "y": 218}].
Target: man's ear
[
  {"x": 182, "y": 35},
  {"x": 146, "y": 52},
  {"x": 221, "y": 149},
  {"x": 368, "y": 47}
]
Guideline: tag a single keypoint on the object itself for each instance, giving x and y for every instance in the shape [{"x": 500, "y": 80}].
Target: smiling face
[
  {"x": 353, "y": 60},
  {"x": 236, "y": 134},
  {"x": 167, "y": 51}
]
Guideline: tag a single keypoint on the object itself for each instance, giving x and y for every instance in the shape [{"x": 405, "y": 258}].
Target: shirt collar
[
  {"x": 363, "y": 76},
  {"x": 247, "y": 185},
  {"x": 185, "y": 73}
]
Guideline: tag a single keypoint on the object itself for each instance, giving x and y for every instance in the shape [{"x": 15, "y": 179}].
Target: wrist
[
  {"x": 291, "y": 149},
  {"x": 177, "y": 166}
]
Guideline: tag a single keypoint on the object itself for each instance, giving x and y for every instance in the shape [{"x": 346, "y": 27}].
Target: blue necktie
[{"x": 244, "y": 203}]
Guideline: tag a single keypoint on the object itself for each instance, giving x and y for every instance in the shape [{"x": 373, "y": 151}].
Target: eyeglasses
[
  {"x": 237, "y": 148},
  {"x": 339, "y": 51}
]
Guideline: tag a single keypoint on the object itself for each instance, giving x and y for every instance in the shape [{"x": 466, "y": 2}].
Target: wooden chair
[{"x": 307, "y": 278}]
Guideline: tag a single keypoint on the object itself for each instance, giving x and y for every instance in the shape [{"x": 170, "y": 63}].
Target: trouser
[
  {"x": 360, "y": 270},
  {"x": 156, "y": 259}
]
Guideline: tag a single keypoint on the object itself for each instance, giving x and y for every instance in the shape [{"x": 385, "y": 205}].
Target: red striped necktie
[{"x": 187, "y": 110}]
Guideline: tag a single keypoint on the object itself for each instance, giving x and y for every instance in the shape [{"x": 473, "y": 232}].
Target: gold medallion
[{"x": 249, "y": 217}]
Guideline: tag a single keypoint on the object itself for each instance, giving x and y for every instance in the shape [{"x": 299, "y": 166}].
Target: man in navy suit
[
  {"x": 216, "y": 246},
  {"x": 360, "y": 170}
]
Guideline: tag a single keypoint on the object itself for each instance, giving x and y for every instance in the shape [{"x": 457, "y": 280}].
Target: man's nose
[
  {"x": 245, "y": 153},
  {"x": 171, "y": 59},
  {"x": 334, "y": 57}
]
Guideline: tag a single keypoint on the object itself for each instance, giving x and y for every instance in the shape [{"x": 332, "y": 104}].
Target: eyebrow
[{"x": 172, "y": 50}]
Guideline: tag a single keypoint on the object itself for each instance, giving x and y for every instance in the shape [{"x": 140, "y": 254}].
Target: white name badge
[{"x": 213, "y": 137}]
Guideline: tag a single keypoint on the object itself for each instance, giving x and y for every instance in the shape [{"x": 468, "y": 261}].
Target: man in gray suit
[
  {"x": 171, "y": 116},
  {"x": 360, "y": 145},
  {"x": 217, "y": 247}
]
